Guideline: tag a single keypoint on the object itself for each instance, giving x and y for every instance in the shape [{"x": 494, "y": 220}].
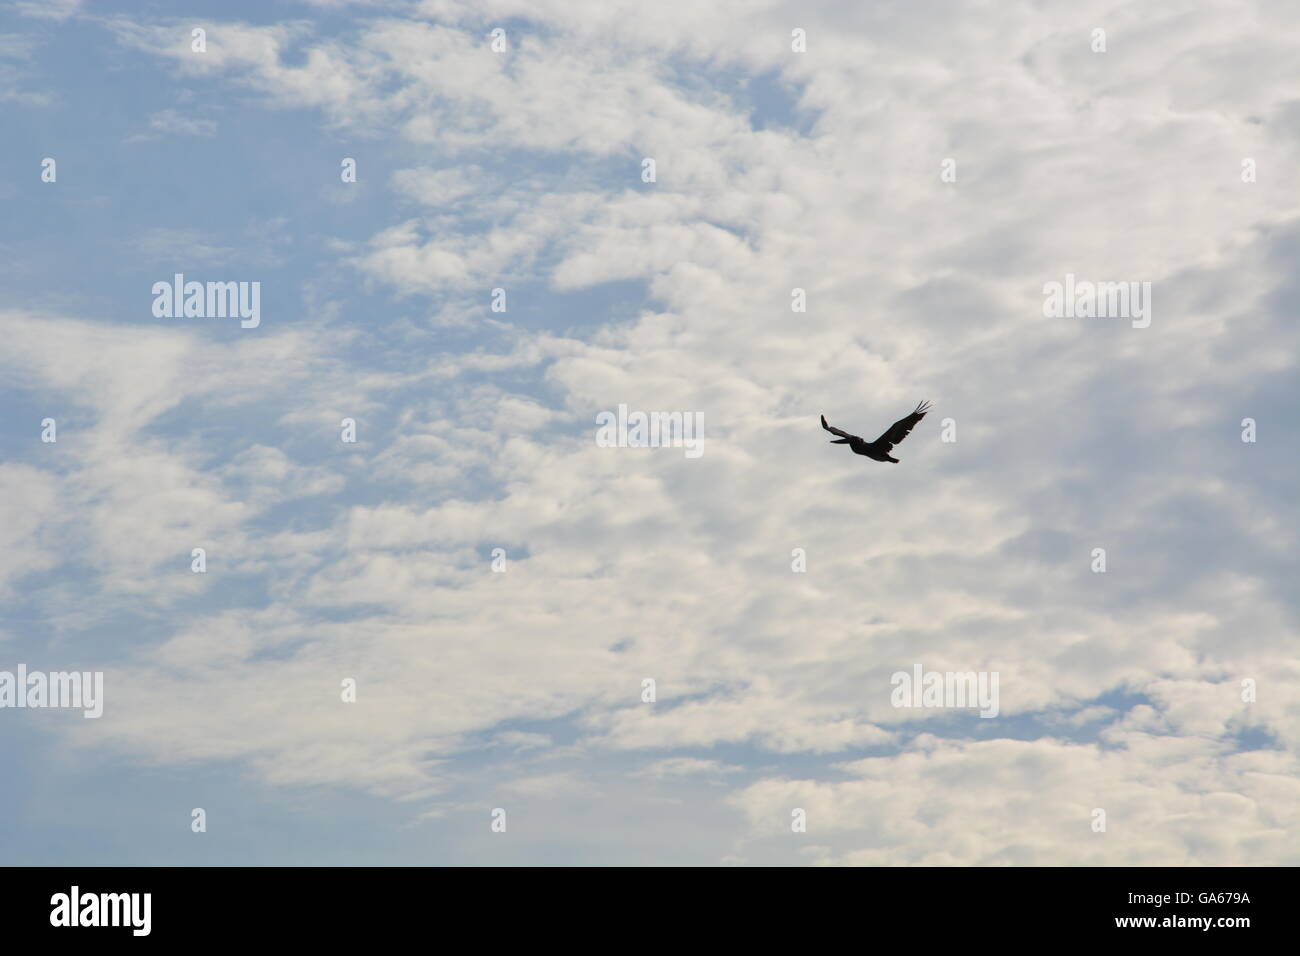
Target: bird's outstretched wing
[
  {"x": 901, "y": 428},
  {"x": 838, "y": 431}
]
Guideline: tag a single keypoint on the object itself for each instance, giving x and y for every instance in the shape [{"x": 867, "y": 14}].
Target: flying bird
[{"x": 880, "y": 448}]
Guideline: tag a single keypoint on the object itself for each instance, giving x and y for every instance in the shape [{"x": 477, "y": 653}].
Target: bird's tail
[{"x": 839, "y": 441}]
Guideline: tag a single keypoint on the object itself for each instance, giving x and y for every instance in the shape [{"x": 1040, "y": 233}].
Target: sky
[{"x": 429, "y": 646}]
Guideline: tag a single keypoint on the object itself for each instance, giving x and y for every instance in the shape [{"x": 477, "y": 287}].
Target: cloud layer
[{"x": 775, "y": 170}]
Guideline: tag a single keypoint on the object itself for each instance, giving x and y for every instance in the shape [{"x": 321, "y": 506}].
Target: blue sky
[{"x": 776, "y": 170}]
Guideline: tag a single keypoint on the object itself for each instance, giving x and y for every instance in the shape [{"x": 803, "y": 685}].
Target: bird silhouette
[{"x": 879, "y": 449}]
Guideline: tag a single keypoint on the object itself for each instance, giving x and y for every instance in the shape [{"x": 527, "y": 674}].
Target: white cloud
[
  {"x": 48, "y": 9},
  {"x": 174, "y": 122},
  {"x": 1033, "y": 803}
]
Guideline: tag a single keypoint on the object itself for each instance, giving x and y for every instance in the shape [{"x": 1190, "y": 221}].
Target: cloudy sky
[{"x": 920, "y": 170}]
